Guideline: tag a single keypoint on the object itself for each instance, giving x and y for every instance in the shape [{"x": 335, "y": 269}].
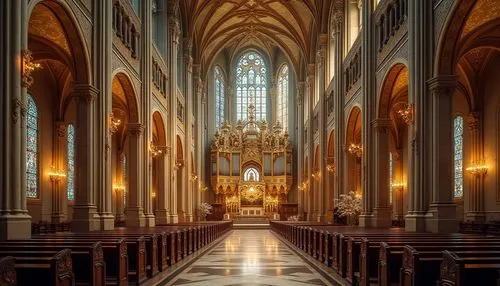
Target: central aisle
[{"x": 250, "y": 257}]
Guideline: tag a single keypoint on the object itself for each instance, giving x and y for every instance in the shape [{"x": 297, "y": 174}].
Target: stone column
[
  {"x": 58, "y": 186},
  {"x": 442, "y": 210},
  {"x": 311, "y": 192},
  {"x": 475, "y": 209},
  {"x": 382, "y": 211},
  {"x": 420, "y": 133},
  {"x": 300, "y": 146},
  {"x": 173, "y": 46},
  {"x": 200, "y": 154},
  {"x": 162, "y": 195},
  {"x": 323, "y": 197},
  {"x": 15, "y": 223},
  {"x": 368, "y": 93},
  {"x": 102, "y": 70},
  {"x": 134, "y": 212},
  {"x": 146, "y": 49},
  {"x": 188, "y": 148},
  {"x": 84, "y": 210}
]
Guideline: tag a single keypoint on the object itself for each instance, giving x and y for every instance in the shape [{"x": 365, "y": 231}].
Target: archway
[
  {"x": 469, "y": 52},
  {"x": 394, "y": 116},
  {"x": 55, "y": 43},
  {"x": 158, "y": 170},
  {"x": 125, "y": 131},
  {"x": 354, "y": 148},
  {"x": 181, "y": 194}
]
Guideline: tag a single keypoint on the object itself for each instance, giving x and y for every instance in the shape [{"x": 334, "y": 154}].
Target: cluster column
[
  {"x": 58, "y": 191},
  {"x": 300, "y": 148},
  {"x": 135, "y": 212},
  {"x": 85, "y": 217},
  {"x": 382, "y": 211},
  {"x": 441, "y": 216},
  {"x": 475, "y": 209},
  {"x": 188, "y": 127}
]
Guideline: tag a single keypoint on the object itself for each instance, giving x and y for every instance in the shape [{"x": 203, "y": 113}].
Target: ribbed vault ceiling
[{"x": 236, "y": 24}]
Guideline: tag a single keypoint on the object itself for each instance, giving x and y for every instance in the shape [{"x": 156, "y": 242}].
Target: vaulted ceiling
[{"x": 292, "y": 25}]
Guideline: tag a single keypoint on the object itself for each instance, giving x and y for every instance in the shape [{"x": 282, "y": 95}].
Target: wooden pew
[
  {"x": 91, "y": 268},
  {"x": 53, "y": 268},
  {"x": 8, "y": 271},
  {"x": 477, "y": 270},
  {"x": 114, "y": 254}
]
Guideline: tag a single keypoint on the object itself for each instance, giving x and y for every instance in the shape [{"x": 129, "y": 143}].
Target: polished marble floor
[{"x": 250, "y": 257}]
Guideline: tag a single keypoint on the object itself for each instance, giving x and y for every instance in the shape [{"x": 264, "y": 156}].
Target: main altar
[{"x": 251, "y": 167}]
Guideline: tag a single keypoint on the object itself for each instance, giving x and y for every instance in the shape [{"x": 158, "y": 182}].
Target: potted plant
[{"x": 204, "y": 209}]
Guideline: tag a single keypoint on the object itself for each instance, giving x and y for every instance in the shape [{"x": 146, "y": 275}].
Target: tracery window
[
  {"x": 251, "y": 174},
  {"x": 251, "y": 84},
  {"x": 32, "y": 150},
  {"x": 282, "y": 103},
  {"x": 219, "y": 97},
  {"x": 70, "y": 179},
  {"x": 458, "y": 140}
]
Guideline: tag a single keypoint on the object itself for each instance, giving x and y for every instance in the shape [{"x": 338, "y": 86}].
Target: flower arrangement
[
  {"x": 349, "y": 205},
  {"x": 204, "y": 209}
]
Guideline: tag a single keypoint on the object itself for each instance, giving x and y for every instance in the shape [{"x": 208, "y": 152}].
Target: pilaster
[
  {"x": 134, "y": 212},
  {"x": 382, "y": 211}
]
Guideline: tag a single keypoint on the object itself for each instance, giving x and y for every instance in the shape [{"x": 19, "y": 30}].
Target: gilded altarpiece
[{"x": 251, "y": 167}]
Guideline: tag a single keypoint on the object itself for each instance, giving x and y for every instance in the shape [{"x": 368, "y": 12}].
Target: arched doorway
[
  {"x": 51, "y": 188},
  {"x": 394, "y": 116},
  {"x": 354, "y": 150}
]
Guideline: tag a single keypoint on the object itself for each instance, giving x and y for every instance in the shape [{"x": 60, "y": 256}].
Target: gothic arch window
[
  {"x": 282, "y": 100},
  {"x": 458, "y": 142},
  {"x": 219, "y": 97},
  {"x": 251, "y": 85},
  {"x": 70, "y": 180},
  {"x": 251, "y": 174},
  {"x": 32, "y": 149}
]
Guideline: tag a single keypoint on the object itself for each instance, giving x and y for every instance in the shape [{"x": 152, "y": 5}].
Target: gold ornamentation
[
  {"x": 56, "y": 174},
  {"x": 407, "y": 114},
  {"x": 29, "y": 66},
  {"x": 478, "y": 168},
  {"x": 113, "y": 123},
  {"x": 356, "y": 150}
]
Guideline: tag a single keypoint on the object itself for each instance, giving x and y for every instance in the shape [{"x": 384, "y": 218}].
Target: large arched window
[
  {"x": 70, "y": 181},
  {"x": 219, "y": 96},
  {"x": 32, "y": 150},
  {"x": 251, "y": 174},
  {"x": 458, "y": 141},
  {"x": 251, "y": 84},
  {"x": 282, "y": 100}
]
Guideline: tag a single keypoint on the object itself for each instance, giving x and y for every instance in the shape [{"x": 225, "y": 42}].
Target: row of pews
[
  {"x": 364, "y": 256},
  {"x": 120, "y": 257}
]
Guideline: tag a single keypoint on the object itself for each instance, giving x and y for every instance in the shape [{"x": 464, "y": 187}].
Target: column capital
[
  {"x": 474, "y": 120},
  {"x": 85, "y": 92},
  {"x": 135, "y": 129},
  {"x": 174, "y": 29},
  {"x": 189, "y": 63},
  {"x": 61, "y": 128},
  {"x": 381, "y": 124},
  {"x": 442, "y": 84}
]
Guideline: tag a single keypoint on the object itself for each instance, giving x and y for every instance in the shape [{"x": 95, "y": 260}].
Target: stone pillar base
[
  {"x": 173, "y": 218},
  {"x": 415, "y": 222},
  {"x": 442, "y": 218},
  {"x": 161, "y": 216},
  {"x": 84, "y": 219},
  {"x": 150, "y": 220},
  {"x": 366, "y": 220},
  {"x": 320, "y": 218},
  {"x": 188, "y": 217},
  {"x": 479, "y": 217},
  {"x": 15, "y": 227},
  {"x": 107, "y": 222},
  {"x": 382, "y": 217},
  {"x": 134, "y": 217}
]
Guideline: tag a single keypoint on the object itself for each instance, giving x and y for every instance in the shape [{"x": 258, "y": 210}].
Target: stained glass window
[
  {"x": 32, "y": 190},
  {"x": 219, "y": 97},
  {"x": 458, "y": 141},
  {"x": 251, "y": 174},
  {"x": 391, "y": 176},
  {"x": 283, "y": 97},
  {"x": 124, "y": 180},
  {"x": 251, "y": 84},
  {"x": 70, "y": 180}
]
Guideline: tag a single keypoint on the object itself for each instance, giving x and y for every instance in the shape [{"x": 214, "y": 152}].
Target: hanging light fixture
[
  {"x": 407, "y": 113},
  {"x": 355, "y": 149},
  {"x": 113, "y": 123},
  {"x": 28, "y": 67}
]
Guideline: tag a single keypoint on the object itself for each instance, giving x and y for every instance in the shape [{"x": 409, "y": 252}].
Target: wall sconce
[
  {"x": 113, "y": 123},
  {"x": 154, "y": 150},
  {"x": 331, "y": 168},
  {"x": 193, "y": 178},
  {"x": 407, "y": 114},
  {"x": 358, "y": 195},
  {"x": 398, "y": 186},
  {"x": 118, "y": 187},
  {"x": 356, "y": 150},
  {"x": 316, "y": 175},
  {"x": 478, "y": 169},
  {"x": 303, "y": 186},
  {"x": 202, "y": 187},
  {"x": 28, "y": 66},
  {"x": 153, "y": 194},
  {"x": 56, "y": 175}
]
